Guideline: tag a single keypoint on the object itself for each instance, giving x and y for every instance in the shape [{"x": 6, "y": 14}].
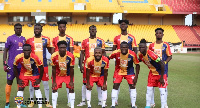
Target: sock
[
  {"x": 162, "y": 97},
  {"x": 38, "y": 96},
  {"x": 67, "y": 89},
  {"x": 114, "y": 96},
  {"x": 17, "y": 87},
  {"x": 99, "y": 93},
  {"x": 133, "y": 96},
  {"x": 149, "y": 95},
  {"x": 31, "y": 91},
  {"x": 152, "y": 97},
  {"x": 46, "y": 89},
  {"x": 54, "y": 99},
  {"x": 20, "y": 93},
  {"x": 88, "y": 97},
  {"x": 129, "y": 91},
  {"x": 7, "y": 92},
  {"x": 72, "y": 99},
  {"x": 83, "y": 93},
  {"x": 104, "y": 98},
  {"x": 166, "y": 94},
  {"x": 117, "y": 95}
]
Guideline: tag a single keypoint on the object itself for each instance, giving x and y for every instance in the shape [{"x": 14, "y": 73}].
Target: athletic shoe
[
  {"x": 152, "y": 105},
  {"x": 81, "y": 104},
  {"x": 147, "y": 107},
  {"x": 48, "y": 105},
  {"x": 7, "y": 105},
  {"x": 31, "y": 104}
]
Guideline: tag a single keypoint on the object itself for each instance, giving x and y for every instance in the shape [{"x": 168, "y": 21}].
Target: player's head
[
  {"x": 123, "y": 24},
  {"x": 124, "y": 48},
  {"x": 76, "y": 43},
  {"x": 143, "y": 46},
  {"x": 37, "y": 29},
  {"x": 97, "y": 53},
  {"x": 62, "y": 45},
  {"x": 18, "y": 29},
  {"x": 27, "y": 50},
  {"x": 92, "y": 30},
  {"x": 159, "y": 33},
  {"x": 62, "y": 26}
]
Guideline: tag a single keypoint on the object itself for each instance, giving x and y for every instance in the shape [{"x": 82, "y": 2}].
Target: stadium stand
[
  {"x": 104, "y": 5},
  {"x": 183, "y": 5},
  {"x": 186, "y": 34},
  {"x": 197, "y": 29}
]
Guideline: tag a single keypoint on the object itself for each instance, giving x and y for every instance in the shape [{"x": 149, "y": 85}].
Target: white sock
[
  {"x": 38, "y": 95},
  {"x": 104, "y": 98},
  {"x": 83, "y": 93},
  {"x": 20, "y": 93},
  {"x": 133, "y": 96},
  {"x": 166, "y": 94},
  {"x": 31, "y": 91},
  {"x": 129, "y": 91},
  {"x": 152, "y": 97},
  {"x": 46, "y": 89},
  {"x": 54, "y": 99},
  {"x": 114, "y": 96},
  {"x": 117, "y": 95},
  {"x": 149, "y": 95},
  {"x": 72, "y": 99},
  {"x": 162, "y": 97},
  {"x": 99, "y": 93},
  {"x": 88, "y": 97},
  {"x": 67, "y": 89}
]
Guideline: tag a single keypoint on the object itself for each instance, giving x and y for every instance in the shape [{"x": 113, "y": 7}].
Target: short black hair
[
  {"x": 98, "y": 48},
  {"x": 123, "y": 43},
  {"x": 61, "y": 42},
  {"x": 143, "y": 41},
  {"x": 26, "y": 45},
  {"x": 38, "y": 25},
  {"x": 17, "y": 24},
  {"x": 121, "y": 21},
  {"x": 159, "y": 29},
  {"x": 62, "y": 22},
  {"x": 92, "y": 26}
]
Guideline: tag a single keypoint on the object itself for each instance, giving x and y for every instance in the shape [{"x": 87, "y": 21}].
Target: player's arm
[
  {"x": 88, "y": 78},
  {"x": 16, "y": 75},
  {"x": 114, "y": 44},
  {"x": 71, "y": 49},
  {"x": 135, "y": 49},
  {"x": 162, "y": 72},
  {"x": 81, "y": 60},
  {"x": 136, "y": 62},
  {"x": 169, "y": 54},
  {"x": 54, "y": 77},
  {"x": 4, "y": 60},
  {"x": 41, "y": 74},
  {"x": 71, "y": 76},
  {"x": 134, "y": 45},
  {"x": 105, "y": 75},
  {"x": 71, "y": 45},
  {"x": 114, "y": 47}
]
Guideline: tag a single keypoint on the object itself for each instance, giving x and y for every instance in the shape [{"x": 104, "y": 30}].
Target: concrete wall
[{"x": 174, "y": 20}]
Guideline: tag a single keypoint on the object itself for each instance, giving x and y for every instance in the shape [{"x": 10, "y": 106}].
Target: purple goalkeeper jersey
[{"x": 14, "y": 44}]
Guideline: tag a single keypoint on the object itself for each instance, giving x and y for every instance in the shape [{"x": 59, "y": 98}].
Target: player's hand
[
  {"x": 162, "y": 82},
  {"x": 71, "y": 84},
  {"x": 134, "y": 81},
  {"x": 89, "y": 87},
  {"x": 54, "y": 85},
  {"x": 81, "y": 69},
  {"x": 104, "y": 87},
  {"x": 20, "y": 82},
  {"x": 37, "y": 82},
  {"x": 6, "y": 68}
]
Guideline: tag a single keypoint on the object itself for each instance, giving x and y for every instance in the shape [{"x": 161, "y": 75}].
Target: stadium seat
[{"x": 197, "y": 29}]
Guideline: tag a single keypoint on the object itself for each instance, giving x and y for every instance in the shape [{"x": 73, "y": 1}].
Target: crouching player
[
  {"x": 29, "y": 72},
  {"x": 157, "y": 75},
  {"x": 97, "y": 72},
  {"x": 124, "y": 69},
  {"x": 62, "y": 63}
]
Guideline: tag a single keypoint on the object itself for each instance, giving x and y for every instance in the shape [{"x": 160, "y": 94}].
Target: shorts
[
  {"x": 11, "y": 74},
  {"x": 84, "y": 74},
  {"x": 45, "y": 76},
  {"x": 26, "y": 80},
  {"x": 153, "y": 80},
  {"x": 76, "y": 55},
  {"x": 62, "y": 79},
  {"x": 118, "y": 78},
  {"x": 98, "y": 80}
]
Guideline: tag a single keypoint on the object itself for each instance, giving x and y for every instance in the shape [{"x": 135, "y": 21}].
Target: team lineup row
[{"x": 30, "y": 63}]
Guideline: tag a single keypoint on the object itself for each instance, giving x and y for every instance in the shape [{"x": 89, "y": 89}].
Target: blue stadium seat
[
  {"x": 39, "y": 0},
  {"x": 110, "y": 0},
  {"x": 86, "y": 0},
  {"x": 6, "y": 0},
  {"x": 22, "y": 0},
  {"x": 73, "y": 0},
  {"x": 50, "y": 0},
  {"x": 145, "y": 1}
]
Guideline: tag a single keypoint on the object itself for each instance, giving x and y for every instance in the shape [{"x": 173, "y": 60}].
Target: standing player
[
  {"x": 29, "y": 72},
  {"x": 157, "y": 75},
  {"x": 62, "y": 63},
  {"x": 62, "y": 36},
  {"x": 124, "y": 36},
  {"x": 97, "y": 72},
  {"x": 77, "y": 50},
  {"x": 87, "y": 49},
  {"x": 124, "y": 69},
  {"x": 162, "y": 49},
  {"x": 13, "y": 45},
  {"x": 39, "y": 43}
]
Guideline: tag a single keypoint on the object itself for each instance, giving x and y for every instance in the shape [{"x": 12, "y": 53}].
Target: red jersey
[
  {"x": 130, "y": 39},
  {"x": 62, "y": 63},
  {"x": 68, "y": 39},
  {"x": 97, "y": 68},
  {"x": 90, "y": 44},
  {"x": 29, "y": 67}
]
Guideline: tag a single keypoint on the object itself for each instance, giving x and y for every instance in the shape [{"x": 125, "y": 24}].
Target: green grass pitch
[{"x": 183, "y": 88}]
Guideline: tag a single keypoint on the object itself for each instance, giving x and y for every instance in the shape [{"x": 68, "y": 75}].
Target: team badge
[
  {"x": 67, "y": 61},
  {"x": 149, "y": 59},
  {"x": 18, "y": 100},
  {"x": 118, "y": 57},
  {"x": 15, "y": 41},
  {"x": 129, "y": 39},
  {"x": 43, "y": 41},
  {"x": 87, "y": 42},
  {"x": 98, "y": 42},
  {"x": 102, "y": 65},
  {"x": 9, "y": 75},
  {"x": 23, "y": 41},
  {"x": 67, "y": 40},
  {"x": 163, "y": 48},
  {"x": 32, "y": 41},
  {"x": 129, "y": 59},
  {"x": 31, "y": 62},
  {"x": 97, "y": 69},
  {"x": 114, "y": 79},
  {"x": 56, "y": 60}
]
